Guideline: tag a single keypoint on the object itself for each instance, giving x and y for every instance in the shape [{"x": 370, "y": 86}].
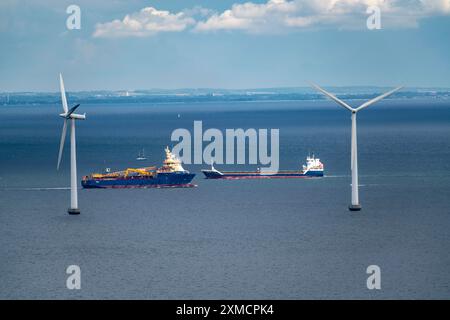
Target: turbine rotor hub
[{"x": 75, "y": 116}]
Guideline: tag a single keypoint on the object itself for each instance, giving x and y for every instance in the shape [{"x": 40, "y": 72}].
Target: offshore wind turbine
[
  {"x": 68, "y": 114},
  {"x": 355, "y": 205}
]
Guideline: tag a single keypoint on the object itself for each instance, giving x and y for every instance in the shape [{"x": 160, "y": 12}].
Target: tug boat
[
  {"x": 170, "y": 175},
  {"x": 313, "y": 168}
]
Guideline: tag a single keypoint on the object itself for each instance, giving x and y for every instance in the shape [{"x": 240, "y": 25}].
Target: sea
[{"x": 233, "y": 239}]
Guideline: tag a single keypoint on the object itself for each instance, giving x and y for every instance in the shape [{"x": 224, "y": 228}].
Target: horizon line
[{"x": 233, "y": 89}]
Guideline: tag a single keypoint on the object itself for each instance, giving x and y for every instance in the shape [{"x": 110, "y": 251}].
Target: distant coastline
[{"x": 215, "y": 95}]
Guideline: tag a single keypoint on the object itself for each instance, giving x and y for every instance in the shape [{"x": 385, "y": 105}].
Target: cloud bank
[
  {"x": 275, "y": 16},
  {"x": 147, "y": 22}
]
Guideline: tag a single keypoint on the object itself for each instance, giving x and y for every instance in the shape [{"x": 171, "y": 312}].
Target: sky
[{"x": 231, "y": 44}]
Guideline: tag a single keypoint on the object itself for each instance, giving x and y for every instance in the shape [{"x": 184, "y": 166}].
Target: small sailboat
[{"x": 141, "y": 156}]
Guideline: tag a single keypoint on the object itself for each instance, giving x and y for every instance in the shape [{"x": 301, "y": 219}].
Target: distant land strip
[{"x": 215, "y": 95}]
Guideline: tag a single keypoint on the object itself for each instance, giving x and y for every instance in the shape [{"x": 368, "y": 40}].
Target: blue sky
[{"x": 222, "y": 44}]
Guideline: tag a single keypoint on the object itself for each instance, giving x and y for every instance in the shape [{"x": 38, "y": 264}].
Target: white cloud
[
  {"x": 282, "y": 15},
  {"x": 148, "y": 21},
  {"x": 275, "y": 16}
]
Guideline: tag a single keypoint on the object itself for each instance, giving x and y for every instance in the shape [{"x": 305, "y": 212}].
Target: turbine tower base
[
  {"x": 73, "y": 211},
  {"x": 354, "y": 207}
]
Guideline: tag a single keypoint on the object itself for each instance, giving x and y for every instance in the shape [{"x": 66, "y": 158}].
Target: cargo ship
[
  {"x": 313, "y": 168},
  {"x": 170, "y": 175}
]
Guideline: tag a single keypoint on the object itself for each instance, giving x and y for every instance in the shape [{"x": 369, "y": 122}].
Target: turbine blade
[
  {"x": 333, "y": 97},
  {"x": 370, "y": 102},
  {"x": 72, "y": 110},
  {"x": 63, "y": 93},
  {"x": 61, "y": 145}
]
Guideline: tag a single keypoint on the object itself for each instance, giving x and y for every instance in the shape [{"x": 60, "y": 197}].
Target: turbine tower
[
  {"x": 355, "y": 205},
  {"x": 68, "y": 114}
]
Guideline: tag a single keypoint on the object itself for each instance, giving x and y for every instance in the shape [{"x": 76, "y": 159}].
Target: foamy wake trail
[
  {"x": 35, "y": 189},
  {"x": 336, "y": 176}
]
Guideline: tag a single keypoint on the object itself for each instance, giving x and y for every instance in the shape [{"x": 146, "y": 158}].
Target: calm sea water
[{"x": 265, "y": 239}]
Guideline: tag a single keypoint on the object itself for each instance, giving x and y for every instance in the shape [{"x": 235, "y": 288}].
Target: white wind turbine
[
  {"x": 68, "y": 114},
  {"x": 355, "y": 205}
]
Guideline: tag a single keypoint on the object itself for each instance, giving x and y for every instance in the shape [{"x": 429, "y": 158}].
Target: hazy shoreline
[{"x": 214, "y": 95}]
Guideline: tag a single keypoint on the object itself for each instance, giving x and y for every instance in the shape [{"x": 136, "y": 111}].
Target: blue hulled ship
[{"x": 171, "y": 174}]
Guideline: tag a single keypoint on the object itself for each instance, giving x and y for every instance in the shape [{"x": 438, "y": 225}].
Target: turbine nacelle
[
  {"x": 69, "y": 113},
  {"x": 73, "y": 116}
]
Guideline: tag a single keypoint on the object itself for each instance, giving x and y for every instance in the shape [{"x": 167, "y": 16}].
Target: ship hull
[
  {"x": 211, "y": 174},
  {"x": 162, "y": 180}
]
